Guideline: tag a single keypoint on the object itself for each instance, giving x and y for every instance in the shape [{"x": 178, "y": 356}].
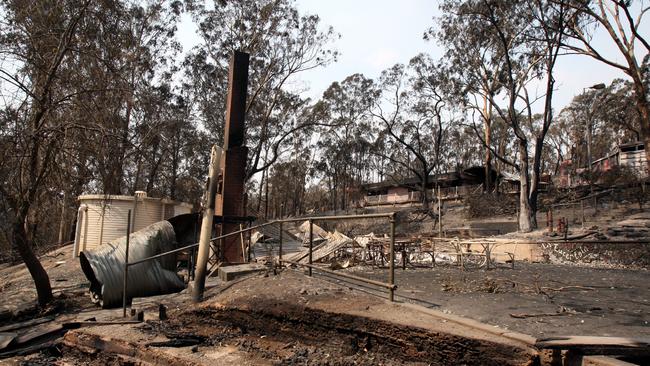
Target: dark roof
[{"x": 470, "y": 176}]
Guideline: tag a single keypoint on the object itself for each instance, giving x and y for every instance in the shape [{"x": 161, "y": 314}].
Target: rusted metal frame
[
  {"x": 389, "y": 286},
  {"x": 126, "y": 263},
  {"x": 234, "y": 171}
]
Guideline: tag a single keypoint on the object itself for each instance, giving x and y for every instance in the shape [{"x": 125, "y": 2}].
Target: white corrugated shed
[{"x": 102, "y": 218}]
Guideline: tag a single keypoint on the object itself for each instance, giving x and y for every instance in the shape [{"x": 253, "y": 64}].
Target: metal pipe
[
  {"x": 126, "y": 264},
  {"x": 391, "y": 265},
  {"x": 206, "y": 225},
  {"x": 191, "y": 246},
  {"x": 280, "y": 249},
  {"x": 311, "y": 243},
  {"x": 248, "y": 247},
  {"x": 389, "y": 286}
]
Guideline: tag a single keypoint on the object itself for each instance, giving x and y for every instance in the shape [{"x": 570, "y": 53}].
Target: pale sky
[{"x": 376, "y": 34}]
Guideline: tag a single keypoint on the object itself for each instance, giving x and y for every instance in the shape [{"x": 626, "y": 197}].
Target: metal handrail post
[
  {"x": 280, "y": 248},
  {"x": 311, "y": 243},
  {"x": 249, "y": 247},
  {"x": 126, "y": 264},
  {"x": 391, "y": 265}
]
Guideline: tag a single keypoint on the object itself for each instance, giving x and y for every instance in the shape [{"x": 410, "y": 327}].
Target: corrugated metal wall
[{"x": 106, "y": 216}]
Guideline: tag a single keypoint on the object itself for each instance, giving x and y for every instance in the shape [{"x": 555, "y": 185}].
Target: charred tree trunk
[
  {"x": 643, "y": 107},
  {"x": 266, "y": 199},
  {"x": 487, "y": 117},
  {"x": 23, "y": 245},
  {"x": 527, "y": 221}
]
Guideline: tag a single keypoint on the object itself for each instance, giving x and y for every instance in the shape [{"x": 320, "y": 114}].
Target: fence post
[
  {"x": 391, "y": 262},
  {"x": 126, "y": 264},
  {"x": 280, "y": 249},
  {"x": 311, "y": 243}
]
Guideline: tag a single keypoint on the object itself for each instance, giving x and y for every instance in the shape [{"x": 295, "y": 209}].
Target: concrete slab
[{"x": 230, "y": 273}]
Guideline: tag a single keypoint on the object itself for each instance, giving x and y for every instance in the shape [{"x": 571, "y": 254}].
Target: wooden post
[{"x": 206, "y": 225}]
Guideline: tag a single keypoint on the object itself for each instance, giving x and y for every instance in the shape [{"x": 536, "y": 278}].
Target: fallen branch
[
  {"x": 561, "y": 311},
  {"x": 524, "y": 315},
  {"x": 569, "y": 288}
]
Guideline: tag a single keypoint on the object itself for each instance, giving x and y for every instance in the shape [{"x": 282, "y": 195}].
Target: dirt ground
[
  {"x": 536, "y": 299},
  {"x": 293, "y": 319},
  {"x": 68, "y": 282},
  {"x": 287, "y": 318}
]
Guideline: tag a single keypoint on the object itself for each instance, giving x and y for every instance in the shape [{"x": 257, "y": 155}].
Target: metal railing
[{"x": 390, "y": 285}]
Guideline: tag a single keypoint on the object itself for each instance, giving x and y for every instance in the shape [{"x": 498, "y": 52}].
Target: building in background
[
  {"x": 452, "y": 185},
  {"x": 630, "y": 156}
]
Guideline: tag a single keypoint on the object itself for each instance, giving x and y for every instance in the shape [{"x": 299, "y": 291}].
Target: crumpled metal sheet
[{"x": 104, "y": 266}]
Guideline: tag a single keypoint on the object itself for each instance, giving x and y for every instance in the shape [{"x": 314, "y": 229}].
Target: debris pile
[
  {"x": 341, "y": 251},
  {"x": 34, "y": 335}
]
